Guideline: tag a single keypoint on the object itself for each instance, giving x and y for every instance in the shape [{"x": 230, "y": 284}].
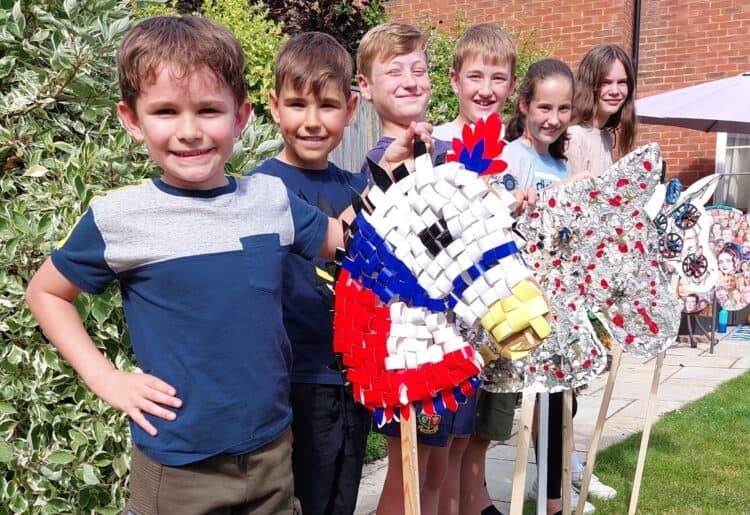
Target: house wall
[{"x": 682, "y": 43}]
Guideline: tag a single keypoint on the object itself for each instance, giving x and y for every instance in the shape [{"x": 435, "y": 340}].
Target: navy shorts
[{"x": 464, "y": 419}]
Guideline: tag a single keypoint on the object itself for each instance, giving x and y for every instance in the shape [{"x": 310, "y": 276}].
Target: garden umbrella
[{"x": 717, "y": 106}]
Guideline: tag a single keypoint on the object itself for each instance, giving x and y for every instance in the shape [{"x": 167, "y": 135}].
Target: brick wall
[{"x": 682, "y": 43}]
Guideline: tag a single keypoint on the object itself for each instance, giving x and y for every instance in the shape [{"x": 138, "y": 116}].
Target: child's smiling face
[
  {"x": 399, "y": 88},
  {"x": 548, "y": 113},
  {"x": 481, "y": 88},
  {"x": 188, "y": 122},
  {"x": 311, "y": 125}
]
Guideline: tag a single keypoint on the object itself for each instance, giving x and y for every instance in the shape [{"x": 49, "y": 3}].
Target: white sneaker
[
  {"x": 588, "y": 508},
  {"x": 596, "y": 487}
]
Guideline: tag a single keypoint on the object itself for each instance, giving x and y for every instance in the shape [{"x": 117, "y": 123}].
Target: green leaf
[
  {"x": 18, "y": 502},
  {"x": 18, "y": 18},
  {"x": 6, "y": 455},
  {"x": 89, "y": 475},
  {"x": 6, "y": 408},
  {"x": 99, "y": 432},
  {"x": 100, "y": 309},
  {"x": 35, "y": 171},
  {"x": 61, "y": 457},
  {"x": 120, "y": 464},
  {"x": 16, "y": 355},
  {"x": 65, "y": 147},
  {"x": 57, "y": 505},
  {"x": 21, "y": 222},
  {"x": 70, "y": 7}
]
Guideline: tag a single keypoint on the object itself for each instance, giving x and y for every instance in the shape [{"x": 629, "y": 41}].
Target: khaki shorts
[
  {"x": 259, "y": 482},
  {"x": 495, "y": 413}
]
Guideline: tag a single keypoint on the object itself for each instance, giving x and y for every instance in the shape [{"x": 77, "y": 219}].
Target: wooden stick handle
[
  {"x": 594, "y": 448},
  {"x": 646, "y": 433},
  {"x": 409, "y": 464}
]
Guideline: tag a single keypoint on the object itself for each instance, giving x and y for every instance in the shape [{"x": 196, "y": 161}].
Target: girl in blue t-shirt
[
  {"x": 537, "y": 129},
  {"x": 536, "y": 154}
]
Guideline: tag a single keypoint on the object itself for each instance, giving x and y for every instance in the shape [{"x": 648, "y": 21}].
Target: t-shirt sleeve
[
  {"x": 357, "y": 181},
  {"x": 80, "y": 257},
  {"x": 445, "y": 132},
  {"x": 310, "y": 226},
  {"x": 579, "y": 156},
  {"x": 521, "y": 165}
]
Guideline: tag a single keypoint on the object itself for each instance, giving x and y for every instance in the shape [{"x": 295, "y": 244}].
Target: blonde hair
[
  {"x": 312, "y": 60},
  {"x": 385, "y": 41},
  {"x": 489, "y": 41},
  {"x": 188, "y": 42}
]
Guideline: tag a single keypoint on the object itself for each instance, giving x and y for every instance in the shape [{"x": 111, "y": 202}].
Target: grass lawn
[{"x": 698, "y": 459}]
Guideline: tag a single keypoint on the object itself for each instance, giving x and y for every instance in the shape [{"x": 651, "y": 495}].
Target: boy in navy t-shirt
[
  {"x": 312, "y": 104},
  {"x": 199, "y": 258}
]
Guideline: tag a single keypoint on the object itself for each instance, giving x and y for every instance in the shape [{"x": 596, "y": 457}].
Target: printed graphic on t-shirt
[{"x": 544, "y": 179}]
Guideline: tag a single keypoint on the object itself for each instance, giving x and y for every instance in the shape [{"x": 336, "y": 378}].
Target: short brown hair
[
  {"x": 189, "y": 42},
  {"x": 386, "y": 41},
  {"x": 487, "y": 40},
  {"x": 311, "y": 61}
]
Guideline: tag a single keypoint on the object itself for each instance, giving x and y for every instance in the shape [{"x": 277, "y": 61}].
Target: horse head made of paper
[
  {"x": 430, "y": 258},
  {"x": 683, "y": 227}
]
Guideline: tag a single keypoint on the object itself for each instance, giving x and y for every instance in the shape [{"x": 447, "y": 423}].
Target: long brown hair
[
  {"x": 536, "y": 73},
  {"x": 591, "y": 73}
]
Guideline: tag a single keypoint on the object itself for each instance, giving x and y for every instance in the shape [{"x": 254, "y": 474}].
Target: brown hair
[
  {"x": 536, "y": 73},
  {"x": 385, "y": 41},
  {"x": 312, "y": 60},
  {"x": 488, "y": 40},
  {"x": 591, "y": 72},
  {"x": 188, "y": 42}
]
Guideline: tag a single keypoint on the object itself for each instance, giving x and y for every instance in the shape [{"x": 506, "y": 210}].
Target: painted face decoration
[{"x": 730, "y": 243}]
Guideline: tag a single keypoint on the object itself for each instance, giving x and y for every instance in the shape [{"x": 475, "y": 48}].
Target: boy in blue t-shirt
[
  {"x": 199, "y": 259},
  {"x": 312, "y": 104}
]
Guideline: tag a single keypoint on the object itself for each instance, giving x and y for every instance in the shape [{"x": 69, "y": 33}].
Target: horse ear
[
  {"x": 654, "y": 205},
  {"x": 380, "y": 176},
  {"x": 419, "y": 147},
  {"x": 701, "y": 190},
  {"x": 358, "y": 204}
]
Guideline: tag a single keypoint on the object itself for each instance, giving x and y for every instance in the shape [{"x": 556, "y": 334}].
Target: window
[{"x": 733, "y": 159}]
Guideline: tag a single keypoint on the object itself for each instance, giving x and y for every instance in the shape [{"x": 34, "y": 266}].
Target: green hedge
[
  {"x": 61, "y": 449},
  {"x": 260, "y": 37}
]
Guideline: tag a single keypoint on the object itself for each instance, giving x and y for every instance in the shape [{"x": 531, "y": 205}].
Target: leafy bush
[
  {"x": 61, "y": 449},
  {"x": 375, "y": 448},
  {"x": 444, "y": 105},
  {"x": 260, "y": 37},
  {"x": 344, "y": 20}
]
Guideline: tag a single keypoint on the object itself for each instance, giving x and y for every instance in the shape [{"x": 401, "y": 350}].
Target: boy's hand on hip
[{"x": 136, "y": 394}]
